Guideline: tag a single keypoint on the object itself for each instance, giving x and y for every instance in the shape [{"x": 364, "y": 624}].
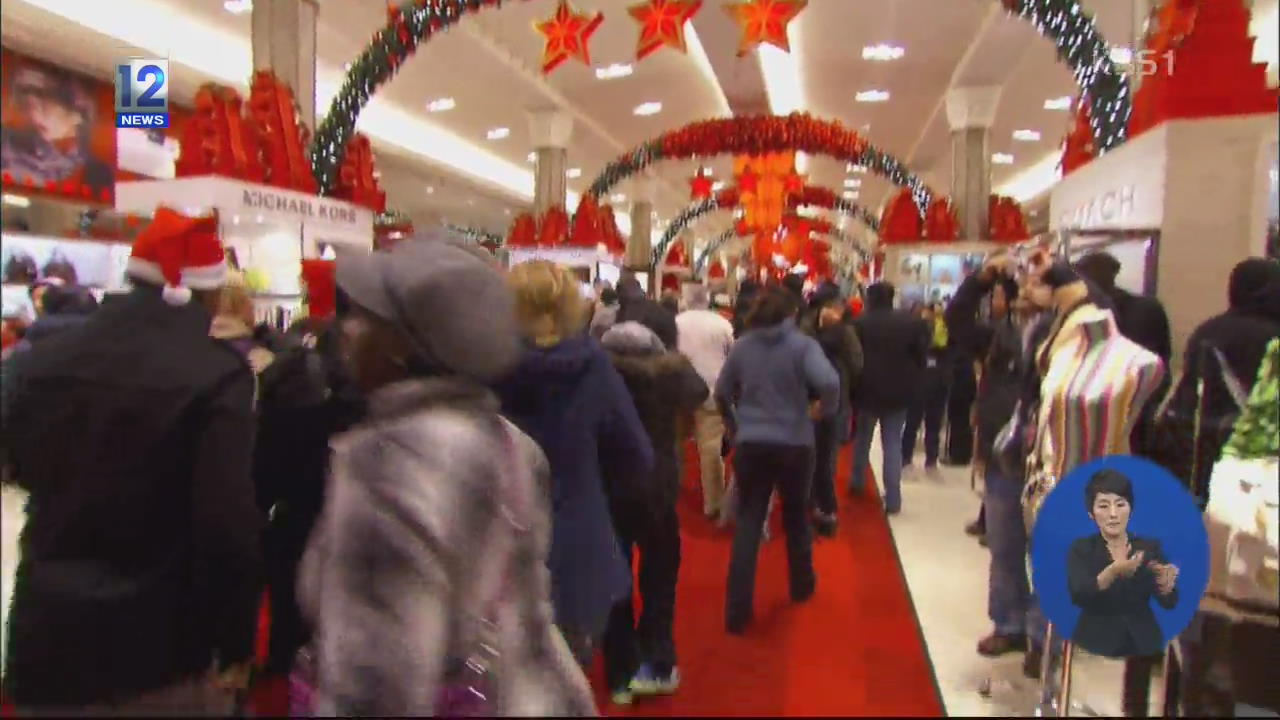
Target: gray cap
[{"x": 451, "y": 305}]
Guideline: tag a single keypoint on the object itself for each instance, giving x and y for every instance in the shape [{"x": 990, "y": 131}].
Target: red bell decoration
[
  {"x": 553, "y": 228},
  {"x": 700, "y": 185},
  {"x": 614, "y": 243},
  {"x": 357, "y": 178},
  {"x": 586, "y": 224},
  {"x": 677, "y": 255},
  {"x": 716, "y": 271},
  {"x": 524, "y": 232},
  {"x": 940, "y": 222},
  {"x": 217, "y": 140},
  {"x": 273, "y": 110},
  {"x": 670, "y": 282},
  {"x": 1007, "y": 222},
  {"x": 901, "y": 222}
]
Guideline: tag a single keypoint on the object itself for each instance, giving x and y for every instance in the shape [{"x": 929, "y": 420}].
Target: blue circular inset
[{"x": 1068, "y": 551}]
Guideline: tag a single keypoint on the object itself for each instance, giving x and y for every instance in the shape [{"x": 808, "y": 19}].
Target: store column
[
  {"x": 970, "y": 112},
  {"x": 640, "y": 244},
  {"x": 284, "y": 42},
  {"x": 549, "y": 130}
]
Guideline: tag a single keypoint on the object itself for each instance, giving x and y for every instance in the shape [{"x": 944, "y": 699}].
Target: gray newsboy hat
[{"x": 452, "y": 306}]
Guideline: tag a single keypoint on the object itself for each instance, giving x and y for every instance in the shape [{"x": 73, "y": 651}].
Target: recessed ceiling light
[
  {"x": 17, "y": 200},
  {"x": 1002, "y": 159},
  {"x": 1026, "y": 135},
  {"x": 614, "y": 71},
  {"x": 441, "y": 105},
  {"x": 431, "y": 190},
  {"x": 882, "y": 52},
  {"x": 853, "y": 183},
  {"x": 1121, "y": 55},
  {"x": 506, "y": 211},
  {"x": 237, "y": 7},
  {"x": 649, "y": 108},
  {"x": 532, "y": 157},
  {"x": 872, "y": 96},
  {"x": 1058, "y": 103},
  {"x": 855, "y": 168},
  {"x": 498, "y": 133},
  {"x": 617, "y": 198},
  {"x": 850, "y": 195},
  {"x": 573, "y": 173}
]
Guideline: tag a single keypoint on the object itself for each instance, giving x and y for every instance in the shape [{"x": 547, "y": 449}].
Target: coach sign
[{"x": 1122, "y": 190}]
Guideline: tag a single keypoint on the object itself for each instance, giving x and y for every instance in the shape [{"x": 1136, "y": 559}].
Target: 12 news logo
[{"x": 142, "y": 93}]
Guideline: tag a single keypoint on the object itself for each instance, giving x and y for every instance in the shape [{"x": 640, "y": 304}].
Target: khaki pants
[
  {"x": 190, "y": 698},
  {"x": 709, "y": 433}
]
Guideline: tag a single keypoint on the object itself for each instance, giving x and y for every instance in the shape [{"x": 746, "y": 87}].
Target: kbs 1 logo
[{"x": 142, "y": 93}]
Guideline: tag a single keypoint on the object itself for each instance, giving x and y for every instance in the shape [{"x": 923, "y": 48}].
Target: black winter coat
[
  {"x": 133, "y": 435},
  {"x": 894, "y": 348},
  {"x": 999, "y": 349}
]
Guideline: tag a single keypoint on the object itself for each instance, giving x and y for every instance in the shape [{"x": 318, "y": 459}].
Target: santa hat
[
  {"x": 180, "y": 254},
  {"x": 322, "y": 289}
]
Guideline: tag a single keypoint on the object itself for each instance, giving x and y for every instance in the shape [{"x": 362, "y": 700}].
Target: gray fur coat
[{"x": 434, "y": 502}]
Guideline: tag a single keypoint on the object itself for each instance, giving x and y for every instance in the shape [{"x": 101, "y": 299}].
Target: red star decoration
[
  {"x": 566, "y": 35},
  {"x": 748, "y": 182},
  {"x": 700, "y": 186},
  {"x": 662, "y": 23},
  {"x": 794, "y": 184},
  {"x": 764, "y": 21}
]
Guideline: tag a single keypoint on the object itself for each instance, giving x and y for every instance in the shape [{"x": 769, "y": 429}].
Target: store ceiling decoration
[
  {"x": 701, "y": 185},
  {"x": 764, "y": 22},
  {"x": 567, "y": 34},
  {"x": 662, "y": 24}
]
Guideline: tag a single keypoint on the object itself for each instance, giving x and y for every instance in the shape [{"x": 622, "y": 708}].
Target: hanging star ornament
[
  {"x": 701, "y": 186},
  {"x": 662, "y": 23},
  {"x": 764, "y": 21},
  {"x": 566, "y": 36}
]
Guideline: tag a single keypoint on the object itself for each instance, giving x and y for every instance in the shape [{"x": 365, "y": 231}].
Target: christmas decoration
[
  {"x": 591, "y": 227},
  {"x": 217, "y": 141},
  {"x": 1006, "y": 219},
  {"x": 757, "y": 136},
  {"x": 901, "y": 222},
  {"x": 553, "y": 228},
  {"x": 716, "y": 271},
  {"x": 389, "y": 228},
  {"x": 662, "y": 23},
  {"x": 714, "y": 247},
  {"x": 687, "y": 216},
  {"x": 1083, "y": 48},
  {"x": 1204, "y": 67},
  {"x": 274, "y": 113},
  {"x": 566, "y": 35},
  {"x": 1078, "y": 147},
  {"x": 764, "y": 21},
  {"x": 358, "y": 180},
  {"x": 763, "y": 204},
  {"x": 523, "y": 232},
  {"x": 814, "y": 196},
  {"x": 940, "y": 221},
  {"x": 677, "y": 257},
  {"x": 700, "y": 185}
]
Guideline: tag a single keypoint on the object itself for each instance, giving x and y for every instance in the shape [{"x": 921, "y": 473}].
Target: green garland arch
[{"x": 1064, "y": 22}]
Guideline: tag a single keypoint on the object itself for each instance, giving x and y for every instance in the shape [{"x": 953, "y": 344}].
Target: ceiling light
[
  {"x": 853, "y": 183},
  {"x": 532, "y": 157},
  {"x": 882, "y": 52},
  {"x": 1121, "y": 55},
  {"x": 783, "y": 84},
  {"x": 17, "y": 200},
  {"x": 855, "y": 168},
  {"x": 1002, "y": 159},
  {"x": 237, "y": 7},
  {"x": 573, "y": 173},
  {"x": 849, "y": 195},
  {"x": 1058, "y": 103},
  {"x": 614, "y": 71},
  {"x": 441, "y": 105},
  {"x": 717, "y": 186},
  {"x": 1026, "y": 135},
  {"x": 649, "y": 108},
  {"x": 872, "y": 96},
  {"x": 431, "y": 190},
  {"x": 498, "y": 133},
  {"x": 617, "y": 198}
]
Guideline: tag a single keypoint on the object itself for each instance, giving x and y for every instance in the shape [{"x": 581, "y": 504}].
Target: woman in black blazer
[{"x": 1113, "y": 575}]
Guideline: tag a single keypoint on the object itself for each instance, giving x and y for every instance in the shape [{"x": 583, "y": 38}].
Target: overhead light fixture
[
  {"x": 498, "y": 133},
  {"x": 573, "y": 173},
  {"x": 853, "y": 168},
  {"x": 532, "y": 157},
  {"x": 1121, "y": 55},
  {"x": 1058, "y": 103},
  {"x": 617, "y": 198},
  {"x": 431, "y": 190},
  {"x": 614, "y": 71},
  {"x": 882, "y": 53},
  {"x": 21, "y": 201},
  {"x": 1002, "y": 159},
  {"x": 850, "y": 195},
  {"x": 1026, "y": 135},
  {"x": 649, "y": 108},
  {"x": 506, "y": 211},
  {"x": 237, "y": 7},
  {"x": 853, "y": 183},
  {"x": 872, "y": 96},
  {"x": 441, "y": 105}
]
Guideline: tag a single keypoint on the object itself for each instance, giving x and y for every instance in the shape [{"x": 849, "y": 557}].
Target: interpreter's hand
[
  {"x": 235, "y": 677},
  {"x": 1126, "y": 564},
  {"x": 1166, "y": 576}
]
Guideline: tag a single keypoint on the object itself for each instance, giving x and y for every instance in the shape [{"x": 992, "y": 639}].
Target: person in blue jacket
[
  {"x": 567, "y": 396},
  {"x": 775, "y": 384}
]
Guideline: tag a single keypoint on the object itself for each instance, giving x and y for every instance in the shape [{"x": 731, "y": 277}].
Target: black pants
[
  {"x": 761, "y": 468},
  {"x": 964, "y": 390},
  {"x": 283, "y": 546},
  {"x": 826, "y": 451},
  {"x": 928, "y": 407},
  {"x": 628, "y": 643}
]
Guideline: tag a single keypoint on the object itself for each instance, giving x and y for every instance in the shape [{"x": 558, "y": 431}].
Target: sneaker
[
  {"x": 825, "y": 524},
  {"x": 649, "y": 682},
  {"x": 995, "y": 644},
  {"x": 621, "y": 696}
]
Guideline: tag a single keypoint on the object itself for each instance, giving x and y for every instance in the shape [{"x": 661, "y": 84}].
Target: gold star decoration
[
  {"x": 566, "y": 36},
  {"x": 662, "y": 23},
  {"x": 764, "y": 21}
]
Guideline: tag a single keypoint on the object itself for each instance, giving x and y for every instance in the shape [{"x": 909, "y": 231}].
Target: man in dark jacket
[
  {"x": 635, "y": 306},
  {"x": 64, "y": 307},
  {"x": 133, "y": 435},
  {"x": 894, "y": 351},
  {"x": 747, "y": 292},
  {"x": 641, "y": 658},
  {"x": 930, "y": 403}
]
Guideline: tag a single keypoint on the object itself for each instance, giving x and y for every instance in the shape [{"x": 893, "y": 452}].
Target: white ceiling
[{"x": 489, "y": 65}]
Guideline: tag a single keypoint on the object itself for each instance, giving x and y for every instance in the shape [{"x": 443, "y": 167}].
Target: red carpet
[{"x": 854, "y": 649}]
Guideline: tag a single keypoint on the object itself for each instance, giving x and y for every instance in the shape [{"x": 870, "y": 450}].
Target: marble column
[
  {"x": 549, "y": 131},
  {"x": 970, "y": 112},
  {"x": 640, "y": 244},
  {"x": 284, "y": 42}
]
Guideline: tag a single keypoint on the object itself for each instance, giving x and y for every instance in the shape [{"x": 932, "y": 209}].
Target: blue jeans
[
  {"x": 1009, "y": 593},
  {"x": 891, "y": 424}
]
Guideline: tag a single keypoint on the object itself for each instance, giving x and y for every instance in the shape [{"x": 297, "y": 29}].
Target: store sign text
[
  {"x": 1105, "y": 209},
  {"x": 301, "y": 207}
]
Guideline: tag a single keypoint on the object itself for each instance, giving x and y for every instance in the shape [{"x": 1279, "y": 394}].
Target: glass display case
[{"x": 933, "y": 277}]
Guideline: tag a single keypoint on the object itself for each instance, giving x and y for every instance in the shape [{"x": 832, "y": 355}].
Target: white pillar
[
  {"x": 284, "y": 41},
  {"x": 549, "y": 130},
  {"x": 970, "y": 112},
  {"x": 640, "y": 244}
]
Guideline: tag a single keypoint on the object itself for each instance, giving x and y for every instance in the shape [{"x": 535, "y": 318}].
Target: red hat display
[
  {"x": 179, "y": 253},
  {"x": 322, "y": 288}
]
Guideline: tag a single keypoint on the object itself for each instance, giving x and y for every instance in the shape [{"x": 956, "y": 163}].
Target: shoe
[
  {"x": 804, "y": 595},
  {"x": 825, "y": 524},
  {"x": 1031, "y": 663},
  {"x": 737, "y": 625},
  {"x": 622, "y": 696},
  {"x": 649, "y": 682},
  {"x": 995, "y": 644},
  {"x": 975, "y": 529},
  {"x": 932, "y": 472}
]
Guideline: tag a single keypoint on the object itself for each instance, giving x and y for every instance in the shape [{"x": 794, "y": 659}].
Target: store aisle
[{"x": 854, "y": 649}]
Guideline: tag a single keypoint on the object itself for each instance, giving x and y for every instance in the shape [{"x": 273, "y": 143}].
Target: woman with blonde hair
[{"x": 566, "y": 394}]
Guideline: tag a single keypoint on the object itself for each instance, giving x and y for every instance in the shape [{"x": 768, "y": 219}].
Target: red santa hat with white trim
[{"x": 179, "y": 253}]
